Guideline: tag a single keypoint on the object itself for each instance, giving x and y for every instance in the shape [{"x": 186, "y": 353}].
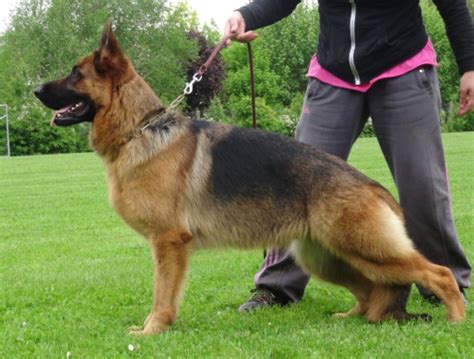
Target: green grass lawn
[{"x": 74, "y": 278}]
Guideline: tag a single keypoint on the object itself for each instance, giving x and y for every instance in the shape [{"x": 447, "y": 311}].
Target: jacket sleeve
[
  {"x": 260, "y": 13},
  {"x": 460, "y": 31}
]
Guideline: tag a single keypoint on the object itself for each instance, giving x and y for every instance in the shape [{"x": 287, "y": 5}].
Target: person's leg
[
  {"x": 405, "y": 113},
  {"x": 331, "y": 120}
]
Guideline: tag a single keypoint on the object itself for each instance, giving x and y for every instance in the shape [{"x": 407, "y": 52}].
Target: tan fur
[{"x": 351, "y": 234}]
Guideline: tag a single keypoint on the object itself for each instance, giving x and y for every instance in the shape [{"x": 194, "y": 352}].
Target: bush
[{"x": 31, "y": 134}]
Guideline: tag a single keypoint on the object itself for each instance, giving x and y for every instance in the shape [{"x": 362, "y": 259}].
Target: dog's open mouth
[{"x": 83, "y": 110}]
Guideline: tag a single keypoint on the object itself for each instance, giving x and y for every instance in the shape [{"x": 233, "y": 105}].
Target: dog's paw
[
  {"x": 152, "y": 326},
  {"x": 341, "y": 315},
  {"x": 138, "y": 332},
  {"x": 139, "y": 328},
  {"x": 357, "y": 310},
  {"x": 135, "y": 328},
  {"x": 147, "y": 331},
  {"x": 457, "y": 318}
]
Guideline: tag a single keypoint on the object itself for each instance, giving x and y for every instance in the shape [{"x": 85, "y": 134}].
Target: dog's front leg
[{"x": 170, "y": 252}]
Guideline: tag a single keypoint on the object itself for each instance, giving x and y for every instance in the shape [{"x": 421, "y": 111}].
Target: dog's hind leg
[
  {"x": 380, "y": 249},
  {"x": 378, "y": 302},
  {"x": 361, "y": 289},
  {"x": 389, "y": 302},
  {"x": 170, "y": 252},
  {"x": 375, "y": 301},
  {"x": 413, "y": 269},
  {"x": 319, "y": 262}
]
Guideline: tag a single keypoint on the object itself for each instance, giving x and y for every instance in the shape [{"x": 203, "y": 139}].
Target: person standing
[{"x": 374, "y": 59}]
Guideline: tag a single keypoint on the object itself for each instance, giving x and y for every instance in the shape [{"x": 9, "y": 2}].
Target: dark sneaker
[{"x": 260, "y": 298}]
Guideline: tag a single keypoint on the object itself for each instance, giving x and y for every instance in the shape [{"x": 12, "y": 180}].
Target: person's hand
[
  {"x": 466, "y": 93},
  {"x": 235, "y": 26}
]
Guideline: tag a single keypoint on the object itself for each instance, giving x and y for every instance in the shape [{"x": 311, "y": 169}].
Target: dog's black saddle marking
[{"x": 253, "y": 163}]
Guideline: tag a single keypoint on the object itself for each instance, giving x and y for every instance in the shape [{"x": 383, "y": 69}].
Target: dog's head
[{"x": 89, "y": 86}]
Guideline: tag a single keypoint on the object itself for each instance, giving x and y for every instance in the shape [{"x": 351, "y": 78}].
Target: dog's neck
[{"x": 107, "y": 136}]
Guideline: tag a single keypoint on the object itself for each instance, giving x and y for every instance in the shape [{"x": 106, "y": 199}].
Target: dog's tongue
[
  {"x": 64, "y": 109},
  {"x": 60, "y": 111}
]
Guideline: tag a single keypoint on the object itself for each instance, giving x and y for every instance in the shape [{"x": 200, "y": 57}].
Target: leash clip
[{"x": 197, "y": 77}]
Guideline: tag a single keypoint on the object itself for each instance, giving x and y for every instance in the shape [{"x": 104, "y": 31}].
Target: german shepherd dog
[{"x": 185, "y": 184}]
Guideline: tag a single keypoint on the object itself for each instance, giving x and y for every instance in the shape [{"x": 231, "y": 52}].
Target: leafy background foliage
[{"x": 47, "y": 37}]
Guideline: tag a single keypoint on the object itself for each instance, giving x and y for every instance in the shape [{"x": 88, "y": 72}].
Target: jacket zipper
[{"x": 353, "y": 42}]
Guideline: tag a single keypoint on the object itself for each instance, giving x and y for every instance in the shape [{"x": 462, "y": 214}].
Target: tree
[{"x": 289, "y": 45}]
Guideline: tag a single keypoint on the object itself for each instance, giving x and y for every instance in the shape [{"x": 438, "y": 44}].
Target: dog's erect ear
[
  {"x": 108, "y": 41},
  {"x": 109, "y": 57}
]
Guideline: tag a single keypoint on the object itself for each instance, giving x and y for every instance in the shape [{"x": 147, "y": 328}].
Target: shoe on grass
[{"x": 260, "y": 298}]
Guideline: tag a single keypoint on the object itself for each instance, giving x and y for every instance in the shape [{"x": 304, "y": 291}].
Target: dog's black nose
[{"x": 38, "y": 91}]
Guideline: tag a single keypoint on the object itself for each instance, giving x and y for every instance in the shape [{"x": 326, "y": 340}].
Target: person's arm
[
  {"x": 260, "y": 13},
  {"x": 257, "y": 14},
  {"x": 460, "y": 31}
]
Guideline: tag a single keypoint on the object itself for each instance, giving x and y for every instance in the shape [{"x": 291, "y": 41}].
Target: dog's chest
[
  {"x": 147, "y": 201},
  {"x": 128, "y": 204}
]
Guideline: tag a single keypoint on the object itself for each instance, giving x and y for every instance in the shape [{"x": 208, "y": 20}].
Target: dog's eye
[{"x": 75, "y": 72}]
